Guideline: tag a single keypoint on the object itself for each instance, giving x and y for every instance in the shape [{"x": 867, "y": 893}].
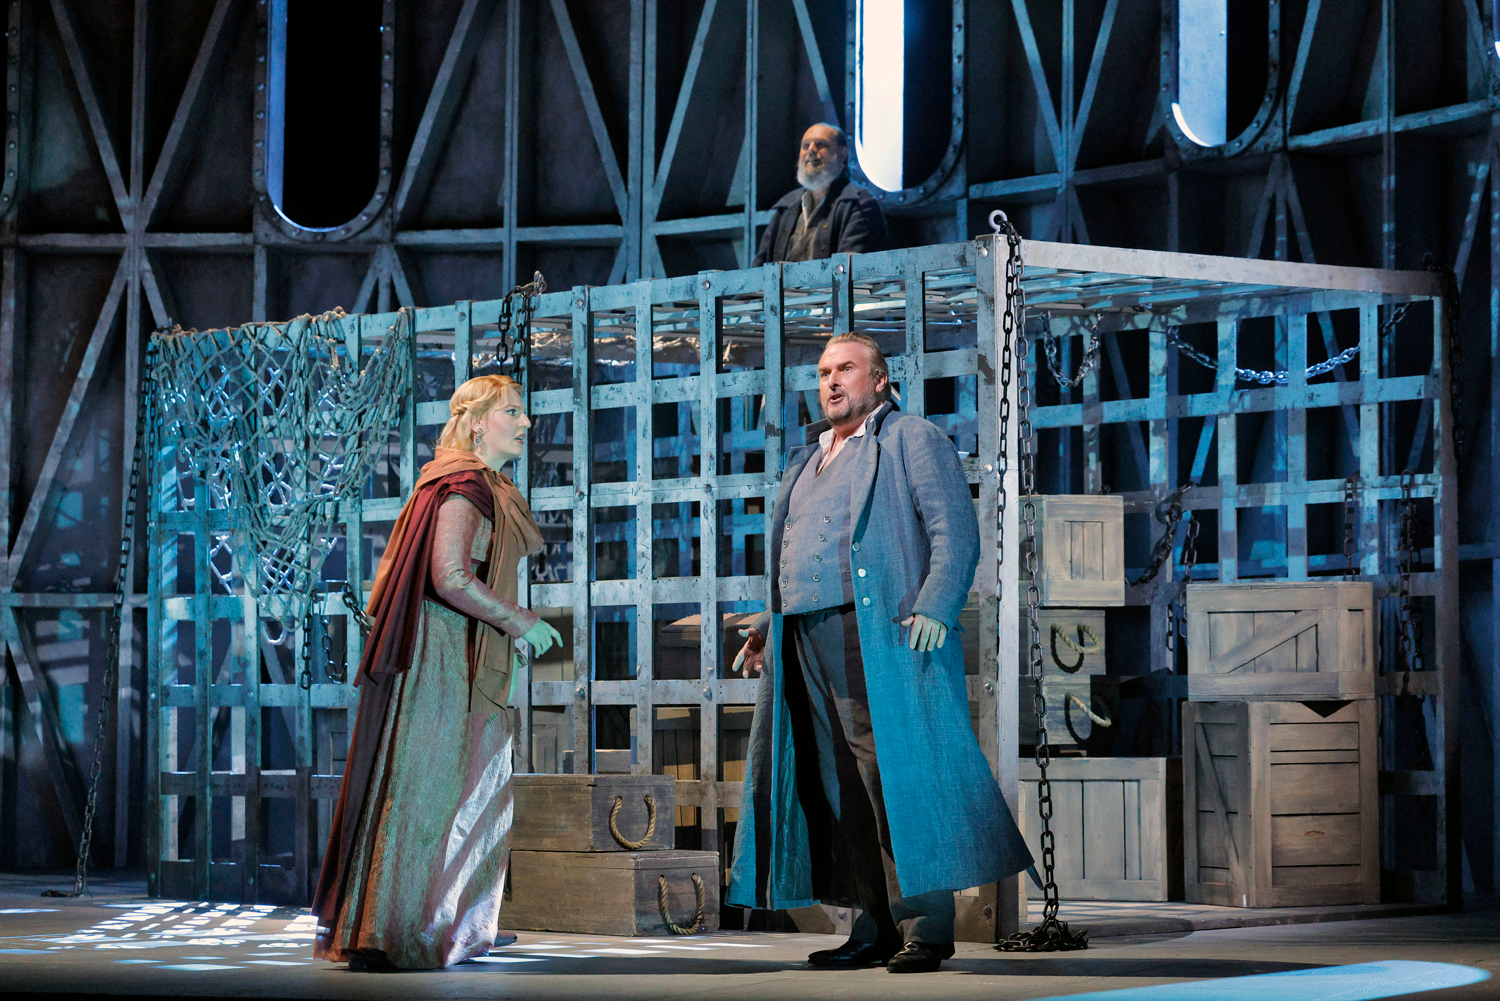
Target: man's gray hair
[
  {"x": 877, "y": 357},
  {"x": 838, "y": 134}
]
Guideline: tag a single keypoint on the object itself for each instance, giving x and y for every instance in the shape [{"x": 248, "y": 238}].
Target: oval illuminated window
[
  {"x": 902, "y": 51},
  {"x": 322, "y": 109},
  {"x": 1225, "y": 80}
]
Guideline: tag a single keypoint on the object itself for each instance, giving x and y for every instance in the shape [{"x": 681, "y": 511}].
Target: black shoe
[
  {"x": 853, "y": 955},
  {"x": 366, "y": 962},
  {"x": 919, "y": 957}
]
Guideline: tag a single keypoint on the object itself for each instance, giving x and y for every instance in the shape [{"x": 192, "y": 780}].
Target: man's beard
[
  {"x": 818, "y": 179},
  {"x": 862, "y": 405}
]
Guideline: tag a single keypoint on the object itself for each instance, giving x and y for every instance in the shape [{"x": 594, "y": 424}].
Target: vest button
[
  {"x": 827, "y": 518},
  {"x": 818, "y": 557},
  {"x": 815, "y": 598},
  {"x": 861, "y": 571},
  {"x": 856, "y": 547},
  {"x": 865, "y": 600},
  {"x": 817, "y": 577},
  {"x": 820, "y": 537}
]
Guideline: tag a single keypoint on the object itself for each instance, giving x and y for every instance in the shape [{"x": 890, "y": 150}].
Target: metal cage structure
[{"x": 663, "y": 410}]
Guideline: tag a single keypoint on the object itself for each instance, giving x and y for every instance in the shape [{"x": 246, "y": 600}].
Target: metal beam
[
  {"x": 442, "y": 104},
  {"x": 176, "y": 149},
  {"x": 88, "y": 369}
]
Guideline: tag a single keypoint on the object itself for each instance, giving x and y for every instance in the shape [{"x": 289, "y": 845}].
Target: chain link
[
  {"x": 1451, "y": 306},
  {"x": 145, "y": 424},
  {"x": 1266, "y": 377},
  {"x": 513, "y": 347},
  {"x": 1090, "y": 355},
  {"x": 1051, "y": 934},
  {"x": 1351, "y": 563},
  {"x": 1169, "y": 512},
  {"x": 1408, "y": 608}
]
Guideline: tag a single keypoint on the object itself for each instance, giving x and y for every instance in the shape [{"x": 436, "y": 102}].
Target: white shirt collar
[{"x": 826, "y": 439}]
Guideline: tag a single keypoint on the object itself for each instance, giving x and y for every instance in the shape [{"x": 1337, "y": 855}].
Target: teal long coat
[{"x": 916, "y": 537}]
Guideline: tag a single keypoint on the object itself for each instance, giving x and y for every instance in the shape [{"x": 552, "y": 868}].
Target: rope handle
[
  {"x": 614, "y": 830},
  {"x": 1093, "y": 645},
  {"x": 699, "y": 891},
  {"x": 1098, "y": 720}
]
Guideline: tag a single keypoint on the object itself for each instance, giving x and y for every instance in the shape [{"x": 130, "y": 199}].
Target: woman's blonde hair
[{"x": 470, "y": 402}]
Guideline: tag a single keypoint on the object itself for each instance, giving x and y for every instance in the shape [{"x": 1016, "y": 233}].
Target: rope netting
[{"x": 282, "y": 423}]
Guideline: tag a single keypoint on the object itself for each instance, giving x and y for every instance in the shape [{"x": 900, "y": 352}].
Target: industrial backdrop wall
[{"x": 217, "y": 161}]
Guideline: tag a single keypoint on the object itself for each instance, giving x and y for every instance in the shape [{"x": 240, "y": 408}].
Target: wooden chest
[
  {"x": 571, "y": 813},
  {"x": 1118, "y": 825},
  {"x": 1280, "y": 803},
  {"x": 1069, "y": 727},
  {"x": 1280, "y": 642},
  {"x": 1072, "y": 641},
  {"x": 1081, "y": 550},
  {"x": 610, "y": 893}
]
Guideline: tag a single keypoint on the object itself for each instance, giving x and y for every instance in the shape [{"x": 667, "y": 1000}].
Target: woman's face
[{"x": 504, "y": 431}]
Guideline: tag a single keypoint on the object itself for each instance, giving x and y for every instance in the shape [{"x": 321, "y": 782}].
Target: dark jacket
[{"x": 852, "y": 223}]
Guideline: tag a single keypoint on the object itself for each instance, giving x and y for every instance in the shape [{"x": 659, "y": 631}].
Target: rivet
[
  {"x": 578, "y": 302},
  {"x": 706, "y": 283},
  {"x": 839, "y": 270}
]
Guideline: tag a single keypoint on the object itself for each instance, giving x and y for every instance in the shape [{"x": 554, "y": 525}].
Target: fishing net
[{"x": 282, "y": 423}]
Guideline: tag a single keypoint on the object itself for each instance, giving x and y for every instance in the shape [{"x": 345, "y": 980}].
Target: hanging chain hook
[{"x": 1051, "y": 935}]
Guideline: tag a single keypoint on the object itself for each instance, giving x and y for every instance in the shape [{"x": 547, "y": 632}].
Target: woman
[{"x": 416, "y": 860}]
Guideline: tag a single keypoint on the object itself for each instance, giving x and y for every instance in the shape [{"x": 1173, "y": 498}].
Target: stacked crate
[
  {"x": 1280, "y": 772},
  {"x": 592, "y": 854},
  {"x": 1116, "y": 820},
  {"x": 1080, "y": 573}
]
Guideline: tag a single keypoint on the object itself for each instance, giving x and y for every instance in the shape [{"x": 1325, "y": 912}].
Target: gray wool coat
[{"x": 916, "y": 536}]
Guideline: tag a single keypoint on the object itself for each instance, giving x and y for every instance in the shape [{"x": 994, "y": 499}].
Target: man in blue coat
[{"x": 865, "y": 785}]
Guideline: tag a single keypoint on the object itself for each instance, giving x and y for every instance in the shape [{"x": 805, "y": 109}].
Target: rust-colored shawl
[{"x": 401, "y": 584}]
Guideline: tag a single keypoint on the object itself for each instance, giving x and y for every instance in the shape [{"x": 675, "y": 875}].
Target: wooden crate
[
  {"x": 570, "y": 813},
  {"x": 1058, "y": 627},
  {"x": 1081, "y": 550},
  {"x": 607, "y": 893},
  {"x": 1118, "y": 827},
  {"x": 1281, "y": 642},
  {"x": 1057, "y": 657},
  {"x": 1068, "y": 727},
  {"x": 1280, "y": 803}
]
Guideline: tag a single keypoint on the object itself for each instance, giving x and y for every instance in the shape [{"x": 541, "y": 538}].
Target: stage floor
[{"x": 120, "y": 942}]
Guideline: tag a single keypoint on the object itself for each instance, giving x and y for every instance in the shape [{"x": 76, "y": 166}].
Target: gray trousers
[{"x": 840, "y": 788}]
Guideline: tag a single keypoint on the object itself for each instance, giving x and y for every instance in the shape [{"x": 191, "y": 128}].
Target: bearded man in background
[{"x": 828, "y": 214}]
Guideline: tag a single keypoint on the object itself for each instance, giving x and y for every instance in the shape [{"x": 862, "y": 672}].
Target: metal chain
[
  {"x": 304, "y": 681},
  {"x": 1451, "y": 306},
  {"x": 1408, "y": 609},
  {"x": 513, "y": 348},
  {"x": 1090, "y": 355},
  {"x": 356, "y": 607},
  {"x": 341, "y": 676},
  {"x": 1051, "y": 935},
  {"x": 1267, "y": 377},
  {"x": 145, "y": 413},
  {"x": 1351, "y": 566},
  {"x": 1169, "y": 513}
]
